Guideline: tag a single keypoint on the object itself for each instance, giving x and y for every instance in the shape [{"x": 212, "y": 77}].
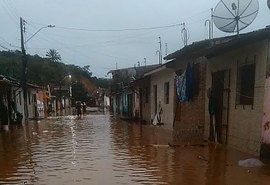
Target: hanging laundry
[
  {"x": 189, "y": 82},
  {"x": 180, "y": 84}
]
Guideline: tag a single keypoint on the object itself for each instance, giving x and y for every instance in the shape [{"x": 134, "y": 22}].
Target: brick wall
[{"x": 192, "y": 113}]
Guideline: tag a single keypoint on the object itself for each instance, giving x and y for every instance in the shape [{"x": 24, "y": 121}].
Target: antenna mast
[
  {"x": 210, "y": 23},
  {"x": 184, "y": 33},
  {"x": 144, "y": 61},
  {"x": 166, "y": 49},
  {"x": 160, "y": 50}
]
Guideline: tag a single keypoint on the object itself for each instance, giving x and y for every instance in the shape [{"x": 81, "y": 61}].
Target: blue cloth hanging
[
  {"x": 189, "y": 82},
  {"x": 180, "y": 84}
]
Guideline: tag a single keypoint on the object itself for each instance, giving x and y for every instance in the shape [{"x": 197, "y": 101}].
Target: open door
[{"x": 221, "y": 93}]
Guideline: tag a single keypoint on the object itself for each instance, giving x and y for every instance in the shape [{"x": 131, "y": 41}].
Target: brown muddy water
[{"x": 100, "y": 149}]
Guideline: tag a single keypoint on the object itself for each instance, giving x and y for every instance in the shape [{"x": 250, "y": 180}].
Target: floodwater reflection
[{"x": 100, "y": 149}]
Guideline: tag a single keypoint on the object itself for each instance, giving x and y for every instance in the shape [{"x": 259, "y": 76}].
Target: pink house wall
[{"x": 266, "y": 116}]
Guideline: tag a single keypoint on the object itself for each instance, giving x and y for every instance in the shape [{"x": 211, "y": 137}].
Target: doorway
[
  {"x": 221, "y": 94},
  {"x": 130, "y": 98}
]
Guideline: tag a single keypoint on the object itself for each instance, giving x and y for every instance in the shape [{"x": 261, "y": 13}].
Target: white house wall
[
  {"x": 32, "y": 104},
  {"x": 159, "y": 79},
  {"x": 19, "y": 99}
]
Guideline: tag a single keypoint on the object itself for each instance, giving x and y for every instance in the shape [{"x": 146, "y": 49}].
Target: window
[
  {"x": 166, "y": 92},
  {"x": 245, "y": 84}
]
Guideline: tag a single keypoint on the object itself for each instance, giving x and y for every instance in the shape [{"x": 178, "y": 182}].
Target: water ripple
[{"x": 100, "y": 149}]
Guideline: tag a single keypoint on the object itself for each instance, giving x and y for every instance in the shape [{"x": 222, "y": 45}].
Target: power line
[
  {"x": 12, "y": 45},
  {"x": 118, "y": 30},
  {"x": 9, "y": 13},
  {"x": 4, "y": 47},
  {"x": 126, "y": 29}
]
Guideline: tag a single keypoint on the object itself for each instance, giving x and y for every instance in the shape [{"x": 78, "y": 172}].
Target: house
[
  {"x": 237, "y": 74},
  {"x": 56, "y": 103},
  {"x": 8, "y": 91},
  {"x": 32, "y": 100},
  {"x": 12, "y": 101},
  {"x": 124, "y": 96},
  {"x": 142, "y": 109},
  {"x": 43, "y": 100},
  {"x": 186, "y": 118},
  {"x": 236, "y": 90}
]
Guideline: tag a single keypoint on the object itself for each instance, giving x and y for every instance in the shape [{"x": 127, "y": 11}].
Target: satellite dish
[{"x": 235, "y": 15}]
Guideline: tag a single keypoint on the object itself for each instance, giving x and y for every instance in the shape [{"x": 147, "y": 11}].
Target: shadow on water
[{"x": 101, "y": 149}]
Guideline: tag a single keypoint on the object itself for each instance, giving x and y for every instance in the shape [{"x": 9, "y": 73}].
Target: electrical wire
[
  {"x": 118, "y": 30},
  {"x": 114, "y": 41},
  {"x": 9, "y": 44},
  {"x": 9, "y": 13},
  {"x": 126, "y": 29},
  {"x": 11, "y": 8},
  {"x": 4, "y": 47}
]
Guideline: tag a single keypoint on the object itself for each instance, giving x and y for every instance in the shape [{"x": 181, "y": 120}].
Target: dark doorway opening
[{"x": 220, "y": 95}]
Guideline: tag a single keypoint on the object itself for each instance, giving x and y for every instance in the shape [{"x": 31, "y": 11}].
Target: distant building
[
  {"x": 43, "y": 102},
  {"x": 124, "y": 99},
  {"x": 60, "y": 99}
]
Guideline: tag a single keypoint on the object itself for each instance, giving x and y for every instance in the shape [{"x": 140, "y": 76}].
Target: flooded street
[{"x": 100, "y": 149}]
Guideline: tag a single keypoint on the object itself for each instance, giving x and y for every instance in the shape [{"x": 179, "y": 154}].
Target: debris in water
[
  {"x": 250, "y": 163},
  {"x": 202, "y": 158}
]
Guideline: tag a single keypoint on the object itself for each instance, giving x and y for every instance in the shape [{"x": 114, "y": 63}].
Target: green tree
[
  {"x": 53, "y": 55},
  {"x": 42, "y": 71}
]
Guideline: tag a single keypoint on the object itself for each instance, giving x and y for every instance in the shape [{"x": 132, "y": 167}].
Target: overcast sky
[{"x": 99, "y": 49}]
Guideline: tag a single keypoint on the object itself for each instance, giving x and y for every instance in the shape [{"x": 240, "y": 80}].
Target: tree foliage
[
  {"x": 44, "y": 71},
  {"x": 53, "y": 55}
]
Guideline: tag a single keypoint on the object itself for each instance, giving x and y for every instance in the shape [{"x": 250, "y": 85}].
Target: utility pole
[
  {"x": 160, "y": 50},
  {"x": 212, "y": 23},
  {"x": 24, "y": 65}
]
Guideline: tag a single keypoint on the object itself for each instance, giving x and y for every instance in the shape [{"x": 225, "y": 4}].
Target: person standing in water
[{"x": 78, "y": 109}]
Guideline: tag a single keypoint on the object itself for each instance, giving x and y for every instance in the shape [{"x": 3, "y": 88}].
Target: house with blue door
[{"x": 125, "y": 97}]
